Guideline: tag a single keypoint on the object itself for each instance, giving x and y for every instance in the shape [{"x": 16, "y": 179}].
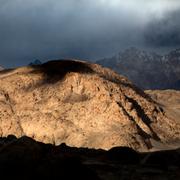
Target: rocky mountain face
[
  {"x": 147, "y": 70},
  {"x": 169, "y": 100},
  {"x": 82, "y": 105}
]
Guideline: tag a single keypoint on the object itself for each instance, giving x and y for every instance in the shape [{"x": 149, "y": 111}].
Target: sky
[{"x": 84, "y": 29}]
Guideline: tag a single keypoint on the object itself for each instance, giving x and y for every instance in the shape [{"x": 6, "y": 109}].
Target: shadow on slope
[
  {"x": 25, "y": 158},
  {"x": 56, "y": 70}
]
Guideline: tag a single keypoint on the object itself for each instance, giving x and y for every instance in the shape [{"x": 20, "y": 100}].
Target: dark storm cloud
[
  {"x": 49, "y": 29},
  {"x": 164, "y": 31},
  {"x": 85, "y": 29}
]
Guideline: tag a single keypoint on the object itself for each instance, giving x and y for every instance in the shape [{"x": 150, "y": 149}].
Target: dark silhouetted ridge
[{"x": 27, "y": 159}]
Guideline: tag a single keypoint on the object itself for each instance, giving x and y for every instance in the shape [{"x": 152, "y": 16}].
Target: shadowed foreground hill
[
  {"x": 81, "y": 104},
  {"x": 27, "y": 159}
]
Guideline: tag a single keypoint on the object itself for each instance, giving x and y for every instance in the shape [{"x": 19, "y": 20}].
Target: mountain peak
[
  {"x": 35, "y": 62},
  {"x": 147, "y": 70},
  {"x": 175, "y": 53},
  {"x": 133, "y": 50},
  {"x": 81, "y": 104},
  {"x": 1, "y": 68}
]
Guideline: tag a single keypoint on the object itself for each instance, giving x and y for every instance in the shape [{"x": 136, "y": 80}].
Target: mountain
[
  {"x": 169, "y": 100},
  {"x": 1, "y": 68},
  {"x": 83, "y": 105},
  {"x": 35, "y": 62},
  {"x": 147, "y": 70}
]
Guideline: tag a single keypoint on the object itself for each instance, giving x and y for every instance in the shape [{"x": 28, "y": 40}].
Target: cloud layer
[
  {"x": 164, "y": 32},
  {"x": 86, "y": 29}
]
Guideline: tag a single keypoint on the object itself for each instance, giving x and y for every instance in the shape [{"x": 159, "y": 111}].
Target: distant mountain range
[
  {"x": 35, "y": 62},
  {"x": 147, "y": 70},
  {"x": 1, "y": 68}
]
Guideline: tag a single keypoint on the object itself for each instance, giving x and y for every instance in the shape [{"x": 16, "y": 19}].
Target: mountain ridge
[
  {"x": 147, "y": 70},
  {"x": 1, "y": 68},
  {"x": 22, "y": 156},
  {"x": 81, "y": 104}
]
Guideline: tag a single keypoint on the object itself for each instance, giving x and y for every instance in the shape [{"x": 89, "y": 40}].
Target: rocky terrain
[
  {"x": 83, "y": 105},
  {"x": 169, "y": 100},
  {"x": 147, "y": 70},
  {"x": 27, "y": 159}
]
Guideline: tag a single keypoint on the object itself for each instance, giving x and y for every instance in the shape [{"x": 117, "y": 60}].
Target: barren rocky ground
[
  {"x": 169, "y": 100},
  {"x": 82, "y": 105}
]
